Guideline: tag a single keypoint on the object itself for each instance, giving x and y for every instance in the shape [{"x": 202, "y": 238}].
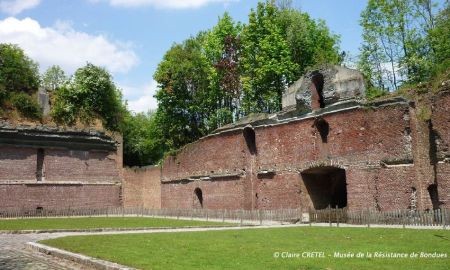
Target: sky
[{"x": 129, "y": 37}]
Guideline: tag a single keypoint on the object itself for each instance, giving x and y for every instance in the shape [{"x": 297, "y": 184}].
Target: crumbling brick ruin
[{"x": 328, "y": 147}]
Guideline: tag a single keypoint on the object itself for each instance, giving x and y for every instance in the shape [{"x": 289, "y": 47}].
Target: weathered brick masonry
[
  {"x": 142, "y": 187},
  {"x": 328, "y": 147},
  {"x": 43, "y": 167},
  {"x": 348, "y": 153}
]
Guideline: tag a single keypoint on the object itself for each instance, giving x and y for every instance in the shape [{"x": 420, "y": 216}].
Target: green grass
[
  {"x": 254, "y": 249},
  {"x": 97, "y": 222}
]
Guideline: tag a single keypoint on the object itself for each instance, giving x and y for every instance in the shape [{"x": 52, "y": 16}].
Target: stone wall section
[{"x": 141, "y": 187}]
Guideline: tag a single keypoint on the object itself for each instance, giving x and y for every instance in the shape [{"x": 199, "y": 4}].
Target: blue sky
[{"x": 130, "y": 37}]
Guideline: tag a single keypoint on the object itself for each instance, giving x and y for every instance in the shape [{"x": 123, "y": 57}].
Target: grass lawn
[
  {"x": 97, "y": 222},
  {"x": 255, "y": 248}
]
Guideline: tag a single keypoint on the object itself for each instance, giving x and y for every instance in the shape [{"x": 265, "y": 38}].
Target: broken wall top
[
  {"x": 324, "y": 86},
  {"x": 51, "y": 136}
]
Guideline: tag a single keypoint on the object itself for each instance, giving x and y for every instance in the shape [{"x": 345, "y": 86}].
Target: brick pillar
[{"x": 423, "y": 162}]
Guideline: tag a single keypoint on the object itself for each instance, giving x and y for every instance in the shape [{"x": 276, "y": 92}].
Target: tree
[
  {"x": 266, "y": 62},
  {"x": 183, "y": 79},
  {"x": 90, "y": 95},
  {"x": 141, "y": 140},
  {"x": 53, "y": 78},
  {"x": 397, "y": 46},
  {"x": 222, "y": 49},
  {"x": 18, "y": 73},
  {"x": 310, "y": 42},
  {"x": 438, "y": 38}
]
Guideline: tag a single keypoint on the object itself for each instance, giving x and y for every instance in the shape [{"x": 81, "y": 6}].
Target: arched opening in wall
[
  {"x": 326, "y": 186},
  {"x": 434, "y": 196},
  {"x": 323, "y": 128},
  {"x": 317, "y": 82},
  {"x": 250, "y": 139},
  {"x": 198, "y": 198}
]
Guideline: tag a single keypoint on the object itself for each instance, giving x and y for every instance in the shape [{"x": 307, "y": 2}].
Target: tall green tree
[
  {"x": 310, "y": 42},
  {"x": 233, "y": 70},
  {"x": 397, "y": 47},
  {"x": 439, "y": 41},
  {"x": 18, "y": 73},
  {"x": 53, "y": 78},
  {"x": 222, "y": 48},
  {"x": 183, "y": 78},
  {"x": 267, "y": 66}
]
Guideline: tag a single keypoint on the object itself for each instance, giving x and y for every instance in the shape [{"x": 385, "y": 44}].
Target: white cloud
[
  {"x": 14, "y": 7},
  {"x": 177, "y": 4},
  {"x": 62, "y": 45},
  {"x": 140, "y": 99}
]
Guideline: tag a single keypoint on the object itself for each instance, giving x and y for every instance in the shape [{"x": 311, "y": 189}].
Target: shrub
[
  {"x": 90, "y": 95},
  {"x": 64, "y": 109},
  {"x": 26, "y": 105}
]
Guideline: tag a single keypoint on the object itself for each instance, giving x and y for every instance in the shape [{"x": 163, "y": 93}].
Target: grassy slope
[
  {"x": 95, "y": 222},
  {"x": 254, "y": 249}
]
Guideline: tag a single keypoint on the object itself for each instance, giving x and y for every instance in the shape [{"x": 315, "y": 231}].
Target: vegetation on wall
[
  {"x": 90, "y": 95},
  {"x": 19, "y": 81},
  {"x": 53, "y": 78},
  {"x": 26, "y": 105},
  {"x": 18, "y": 72}
]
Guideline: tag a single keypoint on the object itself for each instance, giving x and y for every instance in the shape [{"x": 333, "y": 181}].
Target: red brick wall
[
  {"x": 210, "y": 155},
  {"x": 372, "y": 135},
  {"x": 220, "y": 194},
  {"x": 48, "y": 196},
  {"x": 280, "y": 191},
  {"x": 441, "y": 128},
  {"x": 358, "y": 141},
  {"x": 443, "y": 180},
  {"x": 17, "y": 164},
  {"x": 142, "y": 187},
  {"x": 75, "y": 179},
  {"x": 84, "y": 166},
  {"x": 441, "y": 123}
]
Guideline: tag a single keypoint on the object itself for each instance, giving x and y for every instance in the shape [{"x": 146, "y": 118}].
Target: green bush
[
  {"x": 90, "y": 95},
  {"x": 64, "y": 108},
  {"x": 26, "y": 105}
]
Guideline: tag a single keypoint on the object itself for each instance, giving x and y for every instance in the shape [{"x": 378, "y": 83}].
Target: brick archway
[{"x": 326, "y": 187}]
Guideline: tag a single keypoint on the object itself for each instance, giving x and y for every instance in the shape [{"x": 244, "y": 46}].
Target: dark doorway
[
  {"x": 250, "y": 139},
  {"x": 317, "y": 100},
  {"x": 198, "y": 198},
  {"x": 326, "y": 186},
  {"x": 434, "y": 196}
]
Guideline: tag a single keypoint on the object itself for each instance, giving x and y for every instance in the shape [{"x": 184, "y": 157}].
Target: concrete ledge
[{"x": 77, "y": 258}]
